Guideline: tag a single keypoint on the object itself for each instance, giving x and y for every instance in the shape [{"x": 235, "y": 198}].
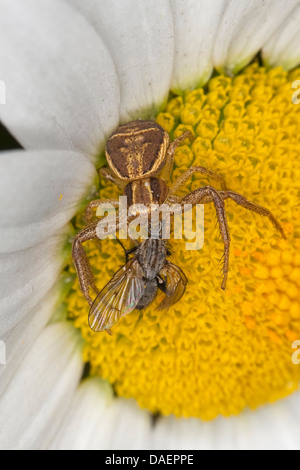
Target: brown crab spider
[{"x": 141, "y": 159}]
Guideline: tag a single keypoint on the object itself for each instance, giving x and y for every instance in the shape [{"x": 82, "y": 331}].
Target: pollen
[{"x": 217, "y": 353}]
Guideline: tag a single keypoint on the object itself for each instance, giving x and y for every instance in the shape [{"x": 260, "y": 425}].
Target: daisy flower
[{"x": 216, "y": 370}]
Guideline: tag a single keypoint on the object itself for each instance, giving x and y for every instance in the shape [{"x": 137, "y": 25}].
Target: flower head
[
  {"x": 73, "y": 71},
  {"x": 213, "y": 352}
]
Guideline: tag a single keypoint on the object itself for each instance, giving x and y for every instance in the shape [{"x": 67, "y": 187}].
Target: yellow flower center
[{"x": 215, "y": 353}]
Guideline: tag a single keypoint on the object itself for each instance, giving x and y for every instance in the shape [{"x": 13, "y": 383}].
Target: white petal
[
  {"x": 182, "y": 434},
  {"x": 40, "y": 192},
  {"x": 19, "y": 340},
  {"x": 82, "y": 428},
  {"x": 62, "y": 91},
  {"x": 196, "y": 24},
  {"x": 41, "y": 388},
  {"x": 126, "y": 427},
  {"x": 96, "y": 422},
  {"x": 122, "y": 425},
  {"x": 284, "y": 46},
  {"x": 271, "y": 427},
  {"x": 26, "y": 276},
  {"x": 140, "y": 37},
  {"x": 245, "y": 28}
]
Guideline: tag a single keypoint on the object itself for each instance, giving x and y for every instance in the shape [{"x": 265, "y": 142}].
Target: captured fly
[{"x": 135, "y": 285}]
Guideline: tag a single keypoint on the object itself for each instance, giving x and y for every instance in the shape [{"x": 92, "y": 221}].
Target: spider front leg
[
  {"x": 82, "y": 265},
  {"x": 109, "y": 175},
  {"x": 84, "y": 271},
  {"x": 253, "y": 207},
  {"x": 206, "y": 195},
  {"x": 166, "y": 173},
  {"x": 209, "y": 194},
  {"x": 190, "y": 172}
]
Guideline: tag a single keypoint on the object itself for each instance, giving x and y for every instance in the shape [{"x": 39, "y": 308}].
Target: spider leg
[
  {"x": 206, "y": 195},
  {"x": 190, "y": 172},
  {"x": 82, "y": 265},
  {"x": 166, "y": 173},
  {"x": 108, "y": 174},
  {"x": 251, "y": 206}
]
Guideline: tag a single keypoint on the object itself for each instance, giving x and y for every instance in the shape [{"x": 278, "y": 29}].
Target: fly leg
[
  {"x": 161, "y": 284},
  {"x": 127, "y": 252}
]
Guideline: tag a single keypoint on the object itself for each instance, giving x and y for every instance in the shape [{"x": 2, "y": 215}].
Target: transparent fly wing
[
  {"x": 175, "y": 285},
  {"x": 118, "y": 298}
]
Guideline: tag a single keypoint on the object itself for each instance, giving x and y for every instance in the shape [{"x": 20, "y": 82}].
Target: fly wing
[
  {"x": 118, "y": 298},
  {"x": 175, "y": 285}
]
